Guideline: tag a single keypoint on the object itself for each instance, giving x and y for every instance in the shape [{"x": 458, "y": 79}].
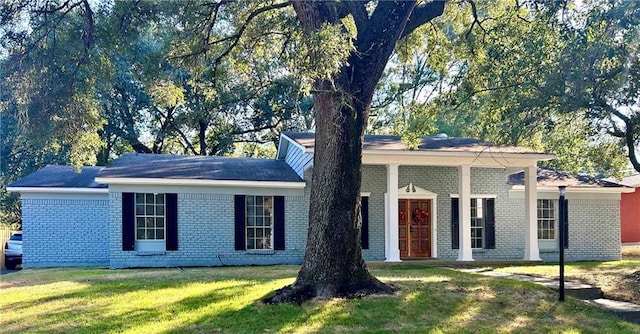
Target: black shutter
[
  {"x": 239, "y": 216},
  {"x": 171, "y": 242},
  {"x": 490, "y": 223},
  {"x": 278, "y": 222},
  {"x": 364, "y": 230},
  {"x": 565, "y": 224},
  {"x": 128, "y": 222},
  {"x": 455, "y": 224}
]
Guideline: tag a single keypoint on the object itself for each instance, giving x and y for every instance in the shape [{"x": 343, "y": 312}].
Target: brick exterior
[
  {"x": 594, "y": 231},
  {"x": 443, "y": 181},
  {"x": 61, "y": 231},
  {"x": 585, "y": 241},
  {"x": 87, "y": 230},
  {"x": 374, "y": 180},
  {"x": 206, "y": 234}
]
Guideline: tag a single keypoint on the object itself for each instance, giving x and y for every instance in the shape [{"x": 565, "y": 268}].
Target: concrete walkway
[{"x": 588, "y": 293}]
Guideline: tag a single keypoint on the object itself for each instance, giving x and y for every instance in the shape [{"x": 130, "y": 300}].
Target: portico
[{"x": 464, "y": 159}]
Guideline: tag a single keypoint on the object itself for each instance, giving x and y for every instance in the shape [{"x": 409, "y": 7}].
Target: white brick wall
[
  {"x": 206, "y": 234},
  {"x": 87, "y": 230},
  {"x": 374, "y": 180},
  {"x": 60, "y": 232},
  {"x": 594, "y": 231}
]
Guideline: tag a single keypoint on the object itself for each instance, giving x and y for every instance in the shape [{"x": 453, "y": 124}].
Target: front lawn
[
  {"x": 226, "y": 300},
  {"x": 619, "y": 280}
]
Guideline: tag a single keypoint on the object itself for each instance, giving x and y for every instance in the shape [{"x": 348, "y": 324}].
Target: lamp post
[{"x": 561, "y": 236}]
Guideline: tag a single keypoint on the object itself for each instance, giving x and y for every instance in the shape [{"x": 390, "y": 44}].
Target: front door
[{"x": 414, "y": 223}]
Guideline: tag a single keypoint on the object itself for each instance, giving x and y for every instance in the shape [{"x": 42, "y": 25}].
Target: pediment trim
[{"x": 412, "y": 191}]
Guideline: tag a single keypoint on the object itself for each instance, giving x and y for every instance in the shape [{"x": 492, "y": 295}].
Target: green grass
[
  {"x": 577, "y": 267},
  {"x": 205, "y": 300}
]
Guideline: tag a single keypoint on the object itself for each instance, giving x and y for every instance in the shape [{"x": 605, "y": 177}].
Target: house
[
  {"x": 451, "y": 199},
  {"x": 630, "y": 210},
  {"x": 592, "y": 222}
]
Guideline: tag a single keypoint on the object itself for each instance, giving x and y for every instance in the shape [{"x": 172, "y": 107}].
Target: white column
[
  {"x": 531, "y": 252},
  {"x": 392, "y": 250},
  {"x": 464, "y": 211}
]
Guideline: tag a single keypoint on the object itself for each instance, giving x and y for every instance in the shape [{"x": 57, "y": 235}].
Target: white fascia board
[
  {"x": 202, "y": 183},
  {"x": 600, "y": 190},
  {"x": 496, "y": 155},
  {"x": 59, "y": 190},
  {"x": 475, "y": 196},
  {"x": 449, "y": 160},
  {"x": 291, "y": 141}
]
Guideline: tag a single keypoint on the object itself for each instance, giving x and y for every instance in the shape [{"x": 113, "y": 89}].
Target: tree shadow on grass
[
  {"x": 80, "y": 310},
  {"x": 458, "y": 303},
  {"x": 372, "y": 313},
  {"x": 429, "y": 299}
]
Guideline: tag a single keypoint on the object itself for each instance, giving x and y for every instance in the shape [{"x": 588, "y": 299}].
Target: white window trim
[
  {"x": 483, "y": 227},
  {"x": 550, "y": 244},
  {"x": 150, "y": 245},
  {"x": 479, "y": 196},
  {"x": 271, "y": 226}
]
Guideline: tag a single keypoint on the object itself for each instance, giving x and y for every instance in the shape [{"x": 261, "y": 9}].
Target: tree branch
[
  {"x": 476, "y": 20},
  {"x": 386, "y": 25},
  {"x": 629, "y": 136},
  {"x": 422, "y": 15},
  {"x": 235, "y": 38},
  {"x": 359, "y": 12}
]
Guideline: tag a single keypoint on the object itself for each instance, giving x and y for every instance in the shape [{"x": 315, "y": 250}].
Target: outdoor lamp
[{"x": 562, "y": 216}]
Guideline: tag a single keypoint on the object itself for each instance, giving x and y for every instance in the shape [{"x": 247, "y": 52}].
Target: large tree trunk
[{"x": 333, "y": 265}]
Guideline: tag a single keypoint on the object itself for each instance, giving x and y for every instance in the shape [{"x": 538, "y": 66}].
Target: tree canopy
[
  {"x": 83, "y": 82},
  {"x": 558, "y": 76}
]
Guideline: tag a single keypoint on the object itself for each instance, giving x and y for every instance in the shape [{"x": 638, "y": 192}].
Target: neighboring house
[
  {"x": 451, "y": 199},
  {"x": 630, "y": 210}
]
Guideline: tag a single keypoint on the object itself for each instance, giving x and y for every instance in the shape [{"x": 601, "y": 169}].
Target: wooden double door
[{"x": 414, "y": 224}]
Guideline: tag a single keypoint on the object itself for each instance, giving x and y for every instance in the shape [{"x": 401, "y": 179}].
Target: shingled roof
[
  {"x": 553, "y": 178},
  {"x": 166, "y": 166},
  {"x": 54, "y": 176},
  {"x": 632, "y": 181},
  {"x": 434, "y": 144}
]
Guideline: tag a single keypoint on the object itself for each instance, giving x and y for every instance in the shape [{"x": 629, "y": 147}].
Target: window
[
  {"x": 477, "y": 223},
  {"x": 149, "y": 222},
  {"x": 150, "y": 216},
  {"x": 259, "y": 224},
  {"x": 483, "y": 223},
  {"x": 547, "y": 214}
]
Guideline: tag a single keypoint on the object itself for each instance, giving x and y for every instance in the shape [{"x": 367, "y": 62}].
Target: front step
[
  {"x": 627, "y": 311},
  {"x": 587, "y": 292}
]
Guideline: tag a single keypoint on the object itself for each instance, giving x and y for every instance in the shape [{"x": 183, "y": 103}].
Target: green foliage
[
  {"x": 553, "y": 78},
  {"x": 325, "y": 52},
  {"x": 84, "y": 82}
]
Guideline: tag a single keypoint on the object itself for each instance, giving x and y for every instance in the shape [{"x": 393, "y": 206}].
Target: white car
[{"x": 13, "y": 251}]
